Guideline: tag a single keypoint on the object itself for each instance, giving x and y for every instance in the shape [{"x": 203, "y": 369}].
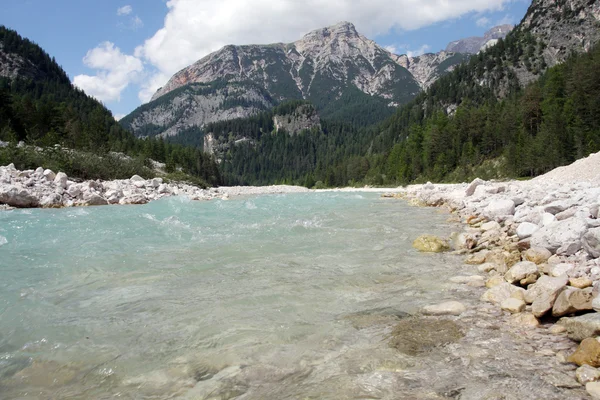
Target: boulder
[
  {"x": 526, "y": 229},
  {"x": 560, "y": 269},
  {"x": 448, "y": 308},
  {"x": 52, "y": 200},
  {"x": 594, "y": 211},
  {"x": 558, "y": 206},
  {"x": 513, "y": 305},
  {"x": 587, "y": 373},
  {"x": 494, "y": 281},
  {"x": 491, "y": 226},
  {"x": 526, "y": 320},
  {"x": 135, "y": 198},
  {"x": 139, "y": 184},
  {"x": 61, "y": 179},
  {"x": 538, "y": 255},
  {"x": 93, "y": 199},
  {"x": 498, "y": 294},
  {"x": 499, "y": 209},
  {"x": 74, "y": 191},
  {"x": 431, "y": 244},
  {"x": 471, "y": 189},
  {"x": 588, "y": 353},
  {"x": 593, "y": 389},
  {"x": 520, "y": 271},
  {"x": 163, "y": 189},
  {"x": 477, "y": 258},
  {"x": 572, "y": 300},
  {"x": 487, "y": 267},
  {"x": 546, "y": 285},
  {"x": 156, "y": 182},
  {"x": 591, "y": 242},
  {"x": 561, "y": 237},
  {"x": 113, "y": 196},
  {"x": 581, "y": 283},
  {"x": 581, "y": 327},
  {"x": 49, "y": 175},
  {"x": 137, "y": 178},
  {"x": 17, "y": 197}
]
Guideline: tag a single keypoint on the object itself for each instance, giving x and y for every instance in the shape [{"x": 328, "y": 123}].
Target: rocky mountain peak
[
  {"x": 472, "y": 45},
  {"x": 498, "y": 32}
]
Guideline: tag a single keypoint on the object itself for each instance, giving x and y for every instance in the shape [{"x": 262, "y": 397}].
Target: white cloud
[
  {"x": 194, "y": 28},
  {"x": 483, "y": 22},
  {"x": 115, "y": 71},
  {"x": 125, "y": 10},
  {"x": 419, "y": 52},
  {"x": 391, "y": 48},
  {"x": 119, "y": 117},
  {"x": 506, "y": 20}
]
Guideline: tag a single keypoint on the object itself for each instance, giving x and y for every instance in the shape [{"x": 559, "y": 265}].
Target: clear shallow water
[{"x": 250, "y": 298}]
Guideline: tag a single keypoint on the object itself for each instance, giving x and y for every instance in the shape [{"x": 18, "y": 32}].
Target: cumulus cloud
[
  {"x": 125, "y": 10},
  {"x": 391, "y": 48},
  {"x": 195, "y": 28},
  {"x": 419, "y": 52},
  {"x": 483, "y": 22},
  {"x": 115, "y": 71}
]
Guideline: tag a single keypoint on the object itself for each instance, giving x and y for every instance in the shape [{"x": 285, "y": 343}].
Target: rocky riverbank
[
  {"x": 536, "y": 247},
  {"x": 46, "y": 189}
]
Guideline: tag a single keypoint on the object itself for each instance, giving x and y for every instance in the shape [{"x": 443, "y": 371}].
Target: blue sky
[{"x": 121, "y": 51}]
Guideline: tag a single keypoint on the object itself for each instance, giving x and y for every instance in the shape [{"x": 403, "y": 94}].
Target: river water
[{"x": 294, "y": 296}]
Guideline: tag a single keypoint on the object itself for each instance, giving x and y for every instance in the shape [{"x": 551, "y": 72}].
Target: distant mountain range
[
  {"x": 475, "y": 44},
  {"x": 336, "y": 68}
]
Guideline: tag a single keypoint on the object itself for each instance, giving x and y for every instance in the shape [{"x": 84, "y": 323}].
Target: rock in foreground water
[{"x": 431, "y": 244}]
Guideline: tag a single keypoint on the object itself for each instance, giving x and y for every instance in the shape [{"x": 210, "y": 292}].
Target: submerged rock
[
  {"x": 431, "y": 244},
  {"x": 448, "y": 308},
  {"x": 417, "y": 335},
  {"x": 377, "y": 316}
]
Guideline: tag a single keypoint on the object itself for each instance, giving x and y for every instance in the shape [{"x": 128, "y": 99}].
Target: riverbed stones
[
  {"x": 572, "y": 300},
  {"x": 524, "y": 319},
  {"x": 586, "y": 374},
  {"x": 447, "y": 308},
  {"x": 52, "y": 200},
  {"x": 49, "y": 175},
  {"x": 581, "y": 327},
  {"x": 561, "y": 237},
  {"x": 520, "y": 271},
  {"x": 593, "y": 389},
  {"x": 413, "y": 336},
  {"x": 494, "y": 281},
  {"x": 513, "y": 305},
  {"x": 591, "y": 242},
  {"x": 560, "y": 269},
  {"x": 581, "y": 283},
  {"x": 430, "y": 244},
  {"x": 499, "y": 209},
  {"x": 17, "y": 197},
  {"x": 93, "y": 199},
  {"x": 538, "y": 255},
  {"x": 61, "y": 180},
  {"x": 491, "y": 226},
  {"x": 588, "y": 353},
  {"x": 498, "y": 294},
  {"x": 473, "y": 186},
  {"x": 546, "y": 285},
  {"x": 526, "y": 229},
  {"x": 477, "y": 258}
]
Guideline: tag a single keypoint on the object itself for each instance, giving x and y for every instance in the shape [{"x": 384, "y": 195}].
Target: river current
[{"x": 292, "y": 296}]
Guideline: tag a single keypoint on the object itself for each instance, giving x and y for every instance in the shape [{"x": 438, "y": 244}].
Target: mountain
[
  {"x": 473, "y": 45},
  {"x": 40, "y": 107},
  {"x": 336, "y": 68}
]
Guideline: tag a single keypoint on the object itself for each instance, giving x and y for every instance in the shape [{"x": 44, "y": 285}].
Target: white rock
[
  {"x": 513, "y": 305},
  {"x": 503, "y": 291},
  {"x": 499, "y": 209},
  {"x": 545, "y": 284},
  {"x": 591, "y": 242},
  {"x": 156, "y": 182},
  {"x": 52, "y": 200},
  {"x": 586, "y": 374},
  {"x": 448, "y": 308},
  {"x": 137, "y": 178},
  {"x": 61, "y": 180},
  {"x": 471, "y": 189},
  {"x": 17, "y": 197},
  {"x": 520, "y": 271},
  {"x": 163, "y": 189},
  {"x": 74, "y": 191},
  {"x": 526, "y": 229},
  {"x": 39, "y": 171},
  {"x": 491, "y": 226},
  {"x": 548, "y": 219},
  {"x": 139, "y": 184},
  {"x": 134, "y": 199},
  {"x": 593, "y": 389},
  {"x": 560, "y": 269},
  {"x": 93, "y": 199},
  {"x": 49, "y": 175},
  {"x": 561, "y": 237}
]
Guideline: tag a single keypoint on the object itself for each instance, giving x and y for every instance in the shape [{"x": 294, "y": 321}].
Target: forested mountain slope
[{"x": 40, "y": 106}]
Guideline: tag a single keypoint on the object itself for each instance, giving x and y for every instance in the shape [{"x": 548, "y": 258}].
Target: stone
[
  {"x": 135, "y": 198},
  {"x": 413, "y": 336},
  {"x": 93, "y": 199},
  {"x": 137, "y": 178},
  {"x": 17, "y": 197},
  {"x": 572, "y": 300},
  {"x": 430, "y": 244},
  {"x": 562, "y": 237},
  {"x": 527, "y": 320},
  {"x": 594, "y": 211},
  {"x": 49, "y": 175},
  {"x": 491, "y": 226},
  {"x": 494, "y": 281},
  {"x": 566, "y": 214},
  {"x": 52, "y": 200},
  {"x": 588, "y": 353},
  {"x": 156, "y": 182},
  {"x": 61, "y": 180},
  {"x": 471, "y": 189},
  {"x": 463, "y": 241},
  {"x": 487, "y": 267},
  {"x": 593, "y": 389},
  {"x": 139, "y": 184},
  {"x": 163, "y": 189},
  {"x": 591, "y": 242},
  {"x": 529, "y": 280},
  {"x": 596, "y": 304},
  {"x": 557, "y": 329},
  {"x": 448, "y": 308},
  {"x": 74, "y": 191},
  {"x": 546, "y": 287},
  {"x": 499, "y": 209},
  {"x": 477, "y": 258},
  {"x": 520, "y": 271},
  {"x": 513, "y": 305},
  {"x": 526, "y": 229},
  {"x": 548, "y": 219},
  {"x": 580, "y": 283},
  {"x": 498, "y": 294},
  {"x": 581, "y": 327},
  {"x": 587, "y": 373},
  {"x": 560, "y": 269},
  {"x": 560, "y": 380}
]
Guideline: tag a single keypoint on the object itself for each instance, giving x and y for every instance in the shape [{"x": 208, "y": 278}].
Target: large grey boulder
[
  {"x": 499, "y": 208},
  {"x": 61, "y": 180},
  {"x": 591, "y": 242},
  {"x": 526, "y": 229},
  {"x": 17, "y": 197},
  {"x": 93, "y": 199},
  {"x": 546, "y": 286},
  {"x": 52, "y": 200},
  {"x": 582, "y": 327},
  {"x": 471, "y": 189},
  {"x": 49, "y": 175},
  {"x": 571, "y": 301},
  {"x": 561, "y": 237}
]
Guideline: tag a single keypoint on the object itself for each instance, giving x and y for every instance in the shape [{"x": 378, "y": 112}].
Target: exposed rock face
[
  {"x": 303, "y": 118},
  {"x": 13, "y": 66},
  {"x": 239, "y": 81},
  {"x": 472, "y": 45}
]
